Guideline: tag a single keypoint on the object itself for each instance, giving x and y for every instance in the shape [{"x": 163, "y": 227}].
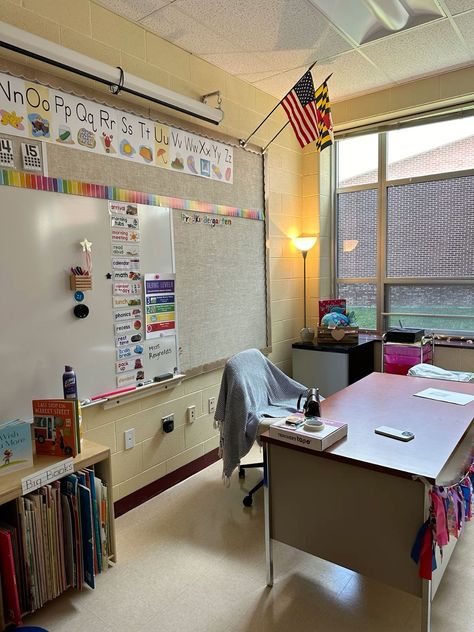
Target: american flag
[{"x": 300, "y": 107}]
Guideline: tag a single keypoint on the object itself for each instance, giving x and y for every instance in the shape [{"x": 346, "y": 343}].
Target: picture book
[
  {"x": 56, "y": 427},
  {"x": 16, "y": 451},
  {"x": 313, "y": 440},
  {"x": 331, "y": 304},
  {"x": 7, "y": 568}
]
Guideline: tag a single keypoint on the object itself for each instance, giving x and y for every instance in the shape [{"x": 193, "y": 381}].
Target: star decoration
[
  {"x": 108, "y": 275},
  {"x": 86, "y": 245}
]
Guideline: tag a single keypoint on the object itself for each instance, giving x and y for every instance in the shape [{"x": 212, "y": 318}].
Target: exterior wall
[{"x": 92, "y": 30}]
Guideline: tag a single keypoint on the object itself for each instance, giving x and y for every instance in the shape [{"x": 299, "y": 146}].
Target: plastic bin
[{"x": 398, "y": 358}]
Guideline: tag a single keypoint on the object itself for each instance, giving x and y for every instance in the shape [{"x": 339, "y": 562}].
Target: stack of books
[
  {"x": 57, "y": 427},
  {"x": 16, "y": 450},
  {"x": 52, "y": 539},
  {"x": 294, "y": 430}
]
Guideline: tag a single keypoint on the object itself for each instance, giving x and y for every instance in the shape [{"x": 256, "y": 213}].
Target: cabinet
[
  {"x": 398, "y": 357},
  {"x": 94, "y": 457},
  {"x": 332, "y": 367}
]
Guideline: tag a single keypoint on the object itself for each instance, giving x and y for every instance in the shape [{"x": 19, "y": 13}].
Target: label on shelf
[{"x": 47, "y": 475}]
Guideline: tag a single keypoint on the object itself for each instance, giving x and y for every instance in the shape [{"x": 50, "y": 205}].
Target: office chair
[{"x": 253, "y": 390}]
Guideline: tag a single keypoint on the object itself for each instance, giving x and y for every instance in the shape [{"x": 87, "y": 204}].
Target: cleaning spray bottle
[{"x": 69, "y": 383}]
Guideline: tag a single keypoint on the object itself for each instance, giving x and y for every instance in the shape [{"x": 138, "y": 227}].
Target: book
[
  {"x": 56, "y": 424},
  {"x": 313, "y": 440},
  {"x": 7, "y": 569},
  {"x": 16, "y": 449},
  {"x": 327, "y": 305}
]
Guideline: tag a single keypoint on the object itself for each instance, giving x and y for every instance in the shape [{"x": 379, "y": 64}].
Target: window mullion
[{"x": 382, "y": 229}]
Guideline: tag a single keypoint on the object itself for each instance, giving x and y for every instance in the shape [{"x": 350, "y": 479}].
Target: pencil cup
[{"x": 80, "y": 282}]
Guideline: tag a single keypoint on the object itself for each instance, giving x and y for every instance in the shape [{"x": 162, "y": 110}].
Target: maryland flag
[{"x": 323, "y": 106}]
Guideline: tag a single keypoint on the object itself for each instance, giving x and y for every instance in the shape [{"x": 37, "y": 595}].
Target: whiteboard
[{"x": 39, "y": 242}]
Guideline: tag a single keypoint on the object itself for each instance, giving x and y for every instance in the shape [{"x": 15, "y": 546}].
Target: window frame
[{"x": 381, "y": 280}]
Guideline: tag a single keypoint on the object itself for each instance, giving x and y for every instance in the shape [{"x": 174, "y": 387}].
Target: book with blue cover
[{"x": 16, "y": 448}]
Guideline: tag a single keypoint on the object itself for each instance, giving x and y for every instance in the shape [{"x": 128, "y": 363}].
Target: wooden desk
[{"x": 360, "y": 503}]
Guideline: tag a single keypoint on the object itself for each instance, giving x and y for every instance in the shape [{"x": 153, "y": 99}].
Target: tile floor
[{"x": 192, "y": 560}]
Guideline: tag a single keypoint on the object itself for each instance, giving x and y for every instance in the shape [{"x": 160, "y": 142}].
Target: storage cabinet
[
  {"x": 332, "y": 367},
  {"x": 94, "y": 457},
  {"x": 398, "y": 357}
]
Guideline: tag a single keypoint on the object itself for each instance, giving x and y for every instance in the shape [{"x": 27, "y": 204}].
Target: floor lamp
[{"x": 304, "y": 243}]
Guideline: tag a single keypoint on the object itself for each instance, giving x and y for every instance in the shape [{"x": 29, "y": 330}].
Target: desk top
[{"x": 444, "y": 433}]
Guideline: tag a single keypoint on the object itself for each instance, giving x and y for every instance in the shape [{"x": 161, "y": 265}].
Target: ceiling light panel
[
  {"x": 133, "y": 9},
  {"x": 419, "y": 52},
  {"x": 368, "y": 20}
]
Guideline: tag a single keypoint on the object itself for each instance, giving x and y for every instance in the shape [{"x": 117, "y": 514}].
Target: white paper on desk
[{"x": 446, "y": 396}]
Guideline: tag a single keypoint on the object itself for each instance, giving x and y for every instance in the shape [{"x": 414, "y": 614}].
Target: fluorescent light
[
  {"x": 368, "y": 20},
  {"x": 37, "y": 47},
  {"x": 305, "y": 242}
]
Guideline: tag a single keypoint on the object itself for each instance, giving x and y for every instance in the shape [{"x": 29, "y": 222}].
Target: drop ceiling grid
[
  {"x": 419, "y": 51},
  {"x": 269, "y": 43}
]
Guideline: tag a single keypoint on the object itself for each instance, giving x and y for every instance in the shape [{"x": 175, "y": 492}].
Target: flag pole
[
  {"x": 243, "y": 142},
  {"x": 278, "y": 133}
]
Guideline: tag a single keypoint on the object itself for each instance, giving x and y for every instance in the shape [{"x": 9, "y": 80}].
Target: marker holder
[{"x": 80, "y": 282}]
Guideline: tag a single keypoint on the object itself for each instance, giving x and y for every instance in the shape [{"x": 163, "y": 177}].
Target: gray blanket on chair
[{"x": 251, "y": 388}]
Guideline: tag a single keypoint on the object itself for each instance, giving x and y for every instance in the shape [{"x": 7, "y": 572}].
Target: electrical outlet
[
  {"x": 168, "y": 423},
  {"x": 191, "y": 414},
  {"x": 129, "y": 438},
  {"x": 211, "y": 402}
]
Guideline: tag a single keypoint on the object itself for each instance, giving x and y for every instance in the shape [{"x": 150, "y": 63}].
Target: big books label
[{"x": 313, "y": 440}]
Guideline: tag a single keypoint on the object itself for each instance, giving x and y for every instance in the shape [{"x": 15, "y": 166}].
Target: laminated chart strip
[{"x": 24, "y": 180}]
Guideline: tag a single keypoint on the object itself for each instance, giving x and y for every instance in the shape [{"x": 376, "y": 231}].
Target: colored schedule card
[{"x": 446, "y": 396}]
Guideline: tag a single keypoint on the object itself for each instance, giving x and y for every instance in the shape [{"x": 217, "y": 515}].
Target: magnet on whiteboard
[
  {"x": 81, "y": 311},
  {"x": 79, "y": 296}
]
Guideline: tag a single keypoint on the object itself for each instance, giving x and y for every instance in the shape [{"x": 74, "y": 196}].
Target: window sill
[{"x": 467, "y": 342}]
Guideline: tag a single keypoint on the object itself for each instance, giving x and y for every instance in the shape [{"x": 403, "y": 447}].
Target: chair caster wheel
[
  {"x": 248, "y": 500},
  {"x": 241, "y": 473}
]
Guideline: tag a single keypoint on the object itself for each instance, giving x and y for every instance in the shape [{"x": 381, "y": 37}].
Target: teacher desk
[{"x": 361, "y": 502}]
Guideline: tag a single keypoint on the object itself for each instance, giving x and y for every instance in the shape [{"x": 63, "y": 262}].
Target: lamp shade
[{"x": 305, "y": 242}]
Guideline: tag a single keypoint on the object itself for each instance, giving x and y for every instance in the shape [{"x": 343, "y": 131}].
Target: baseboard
[{"x": 165, "y": 482}]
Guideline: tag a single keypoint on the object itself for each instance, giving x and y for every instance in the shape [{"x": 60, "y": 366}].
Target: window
[{"x": 405, "y": 226}]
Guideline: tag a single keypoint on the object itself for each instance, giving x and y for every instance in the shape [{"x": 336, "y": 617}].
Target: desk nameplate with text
[{"x": 46, "y": 475}]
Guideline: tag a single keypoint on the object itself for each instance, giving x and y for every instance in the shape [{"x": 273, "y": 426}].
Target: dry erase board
[{"x": 39, "y": 333}]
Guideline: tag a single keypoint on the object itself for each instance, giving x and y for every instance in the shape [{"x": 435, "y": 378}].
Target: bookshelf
[{"x": 92, "y": 455}]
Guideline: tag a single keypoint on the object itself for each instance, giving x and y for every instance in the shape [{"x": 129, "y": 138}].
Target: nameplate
[{"x": 47, "y": 475}]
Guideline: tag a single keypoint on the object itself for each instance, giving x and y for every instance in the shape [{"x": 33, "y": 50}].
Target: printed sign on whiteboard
[{"x": 160, "y": 300}]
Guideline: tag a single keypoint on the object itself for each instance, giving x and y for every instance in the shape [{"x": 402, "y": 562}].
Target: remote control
[{"x": 394, "y": 433}]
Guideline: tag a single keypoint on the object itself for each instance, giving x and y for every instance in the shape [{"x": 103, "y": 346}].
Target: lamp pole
[{"x": 304, "y": 253}]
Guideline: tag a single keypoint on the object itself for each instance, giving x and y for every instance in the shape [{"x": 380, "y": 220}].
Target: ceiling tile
[
  {"x": 458, "y": 6},
  {"x": 423, "y": 50},
  {"x": 465, "y": 24},
  {"x": 238, "y": 63},
  {"x": 133, "y": 9},
  {"x": 180, "y": 29},
  {"x": 259, "y": 25},
  {"x": 252, "y": 77},
  {"x": 352, "y": 74}
]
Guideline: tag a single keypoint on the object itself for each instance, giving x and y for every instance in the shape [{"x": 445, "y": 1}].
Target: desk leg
[
  {"x": 426, "y": 583},
  {"x": 266, "y": 497},
  {"x": 426, "y": 606}
]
